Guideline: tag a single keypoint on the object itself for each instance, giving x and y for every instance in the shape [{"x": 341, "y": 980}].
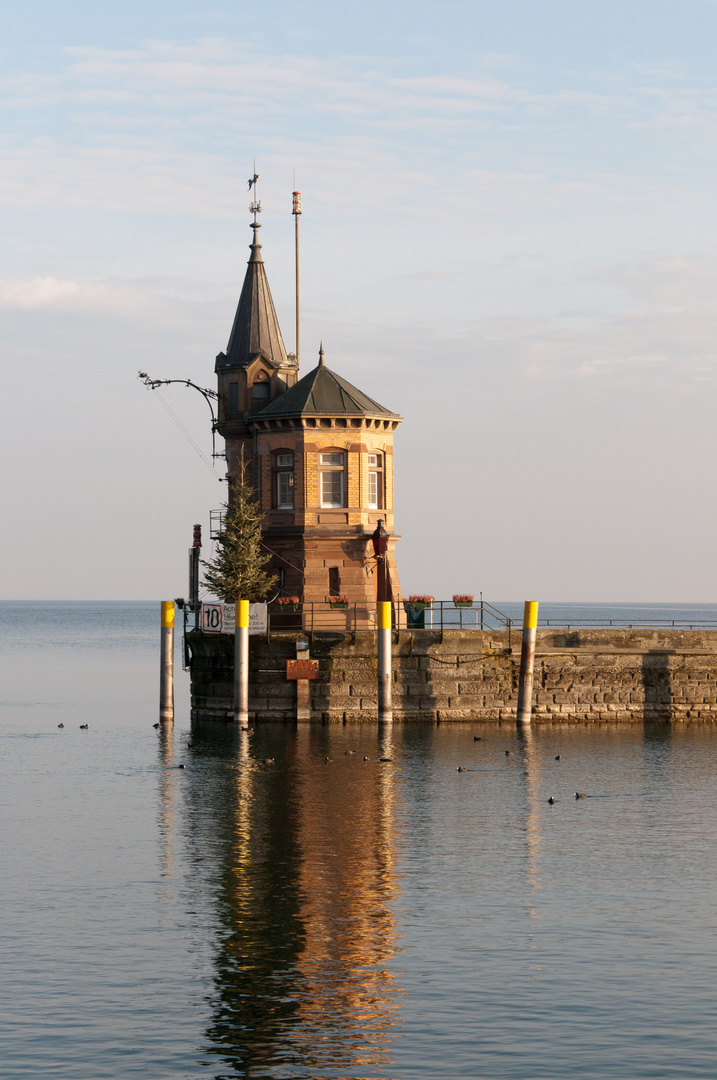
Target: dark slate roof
[
  {"x": 323, "y": 393},
  {"x": 256, "y": 328}
]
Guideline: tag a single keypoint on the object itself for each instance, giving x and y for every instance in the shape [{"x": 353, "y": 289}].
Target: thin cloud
[
  {"x": 55, "y": 293},
  {"x": 214, "y": 74}
]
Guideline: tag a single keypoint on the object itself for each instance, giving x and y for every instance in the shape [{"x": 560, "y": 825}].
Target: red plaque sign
[{"x": 302, "y": 669}]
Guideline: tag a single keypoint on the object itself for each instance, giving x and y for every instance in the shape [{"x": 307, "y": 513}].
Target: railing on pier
[
  {"x": 629, "y": 624},
  {"x": 439, "y": 615}
]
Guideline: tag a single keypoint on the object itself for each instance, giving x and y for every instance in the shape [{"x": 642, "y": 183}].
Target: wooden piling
[
  {"x": 166, "y": 666},
  {"x": 241, "y": 662},
  {"x": 527, "y": 660},
  {"x": 385, "y": 702}
]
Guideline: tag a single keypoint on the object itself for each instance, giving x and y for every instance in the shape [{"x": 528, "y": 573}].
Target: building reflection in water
[{"x": 303, "y": 881}]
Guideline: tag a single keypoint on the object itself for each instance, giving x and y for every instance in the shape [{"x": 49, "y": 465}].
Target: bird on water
[
  {"x": 60, "y": 725},
  {"x": 580, "y": 795},
  {"x": 551, "y": 800},
  {"x": 84, "y": 727}
]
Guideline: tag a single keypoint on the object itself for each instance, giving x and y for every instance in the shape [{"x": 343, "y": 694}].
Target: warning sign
[
  {"x": 302, "y": 669},
  {"x": 219, "y": 618}
]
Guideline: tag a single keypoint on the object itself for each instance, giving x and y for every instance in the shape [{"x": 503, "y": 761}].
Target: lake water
[{"x": 341, "y": 918}]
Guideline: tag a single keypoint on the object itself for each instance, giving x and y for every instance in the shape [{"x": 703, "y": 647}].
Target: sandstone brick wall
[{"x": 590, "y": 675}]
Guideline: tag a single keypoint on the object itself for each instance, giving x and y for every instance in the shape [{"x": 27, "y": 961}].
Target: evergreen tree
[{"x": 238, "y": 569}]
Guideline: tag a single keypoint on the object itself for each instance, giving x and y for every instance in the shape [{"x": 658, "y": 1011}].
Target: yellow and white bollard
[
  {"x": 241, "y": 663},
  {"x": 166, "y": 664},
  {"x": 527, "y": 660},
  {"x": 385, "y": 702}
]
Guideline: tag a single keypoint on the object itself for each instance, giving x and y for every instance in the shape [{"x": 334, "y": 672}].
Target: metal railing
[
  {"x": 337, "y": 617},
  {"x": 439, "y": 615},
  {"x": 629, "y": 624}
]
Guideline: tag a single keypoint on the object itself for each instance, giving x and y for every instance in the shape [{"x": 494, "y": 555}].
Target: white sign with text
[{"x": 219, "y": 618}]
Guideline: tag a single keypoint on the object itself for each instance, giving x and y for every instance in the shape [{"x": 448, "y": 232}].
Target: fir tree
[{"x": 238, "y": 569}]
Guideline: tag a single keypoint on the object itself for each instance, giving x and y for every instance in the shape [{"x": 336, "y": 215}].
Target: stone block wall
[{"x": 583, "y": 675}]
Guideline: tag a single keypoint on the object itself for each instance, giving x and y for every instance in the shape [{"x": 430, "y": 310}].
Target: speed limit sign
[{"x": 212, "y": 618}]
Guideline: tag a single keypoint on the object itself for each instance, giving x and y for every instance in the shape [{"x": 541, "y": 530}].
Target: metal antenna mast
[{"x": 296, "y": 211}]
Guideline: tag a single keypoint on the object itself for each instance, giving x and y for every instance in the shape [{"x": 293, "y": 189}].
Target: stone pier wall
[{"x": 600, "y": 675}]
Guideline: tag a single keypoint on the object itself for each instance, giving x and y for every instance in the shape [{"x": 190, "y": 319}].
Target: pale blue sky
[{"x": 509, "y": 237}]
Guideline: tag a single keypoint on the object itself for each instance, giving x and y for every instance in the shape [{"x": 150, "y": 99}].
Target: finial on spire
[
  {"x": 254, "y": 206},
  {"x": 321, "y": 355}
]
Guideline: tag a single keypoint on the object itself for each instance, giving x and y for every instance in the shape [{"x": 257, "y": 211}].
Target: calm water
[{"x": 346, "y": 918}]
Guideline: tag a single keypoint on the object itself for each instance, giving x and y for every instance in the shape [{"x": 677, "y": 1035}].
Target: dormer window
[
  {"x": 375, "y": 481},
  {"x": 260, "y": 391},
  {"x": 331, "y": 479}
]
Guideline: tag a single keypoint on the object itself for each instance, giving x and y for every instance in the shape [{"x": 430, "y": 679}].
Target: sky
[{"x": 509, "y": 237}]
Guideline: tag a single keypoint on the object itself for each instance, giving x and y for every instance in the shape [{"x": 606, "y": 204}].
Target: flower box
[
  {"x": 339, "y": 604},
  {"x": 419, "y": 601},
  {"x": 289, "y": 603},
  {"x": 463, "y": 600}
]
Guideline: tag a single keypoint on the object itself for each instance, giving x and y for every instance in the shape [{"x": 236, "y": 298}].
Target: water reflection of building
[{"x": 297, "y": 860}]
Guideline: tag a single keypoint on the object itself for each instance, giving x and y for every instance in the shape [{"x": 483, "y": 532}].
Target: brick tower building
[{"x": 319, "y": 452}]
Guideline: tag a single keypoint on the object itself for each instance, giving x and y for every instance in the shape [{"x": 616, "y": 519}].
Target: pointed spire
[
  {"x": 256, "y": 330},
  {"x": 321, "y": 355}
]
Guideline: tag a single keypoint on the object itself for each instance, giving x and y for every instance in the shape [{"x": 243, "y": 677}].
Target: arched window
[
  {"x": 375, "y": 481},
  {"x": 283, "y": 479},
  {"x": 332, "y": 486}
]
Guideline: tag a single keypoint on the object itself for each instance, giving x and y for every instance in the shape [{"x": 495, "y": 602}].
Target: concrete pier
[{"x": 601, "y": 675}]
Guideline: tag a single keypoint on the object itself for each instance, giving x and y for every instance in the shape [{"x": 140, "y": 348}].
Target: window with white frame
[
  {"x": 284, "y": 480},
  {"x": 375, "y": 481},
  {"x": 331, "y": 479}
]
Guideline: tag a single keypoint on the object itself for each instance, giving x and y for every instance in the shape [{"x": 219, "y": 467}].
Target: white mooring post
[
  {"x": 527, "y": 660},
  {"x": 385, "y": 703},
  {"x": 303, "y": 694},
  {"x": 241, "y": 663},
  {"x": 166, "y": 664}
]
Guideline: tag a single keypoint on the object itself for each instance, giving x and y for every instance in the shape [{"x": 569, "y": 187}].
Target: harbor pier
[{"x": 580, "y": 675}]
